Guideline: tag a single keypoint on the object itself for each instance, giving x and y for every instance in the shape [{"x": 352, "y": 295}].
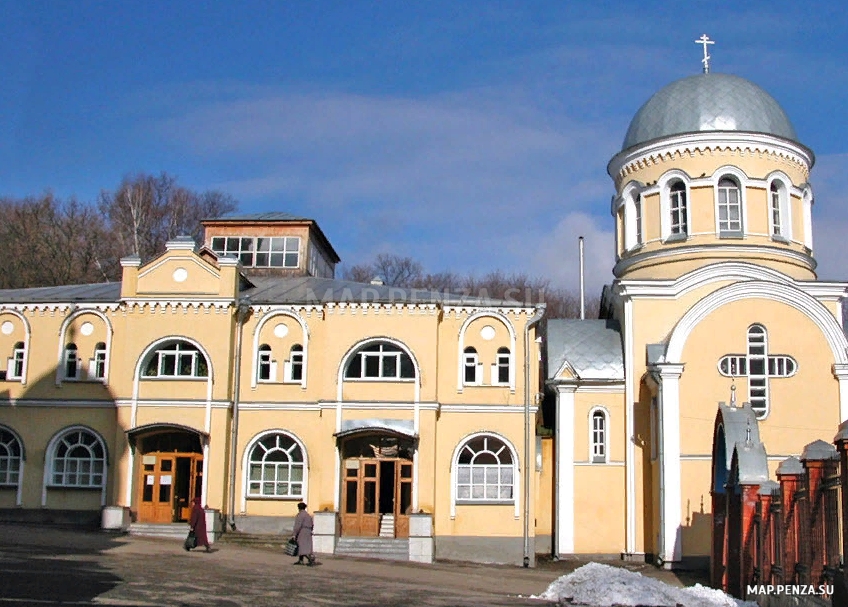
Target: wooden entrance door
[
  {"x": 373, "y": 488},
  {"x": 168, "y": 483}
]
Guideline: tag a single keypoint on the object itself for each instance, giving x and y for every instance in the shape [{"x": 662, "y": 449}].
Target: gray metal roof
[
  {"x": 819, "y": 450},
  {"x": 266, "y": 290},
  {"x": 742, "y": 436},
  {"x": 267, "y": 216},
  {"x": 708, "y": 102},
  {"x": 593, "y": 348}
]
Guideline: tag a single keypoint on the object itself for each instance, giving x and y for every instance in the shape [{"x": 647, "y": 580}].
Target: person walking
[
  {"x": 198, "y": 524},
  {"x": 302, "y": 534}
]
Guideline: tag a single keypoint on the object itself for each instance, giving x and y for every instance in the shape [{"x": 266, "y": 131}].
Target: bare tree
[{"x": 392, "y": 270}]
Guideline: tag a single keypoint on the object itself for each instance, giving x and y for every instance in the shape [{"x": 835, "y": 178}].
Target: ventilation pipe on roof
[
  {"x": 242, "y": 312},
  {"x": 528, "y": 427}
]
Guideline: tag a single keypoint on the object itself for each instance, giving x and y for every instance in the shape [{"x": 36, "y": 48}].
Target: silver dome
[{"x": 708, "y": 102}]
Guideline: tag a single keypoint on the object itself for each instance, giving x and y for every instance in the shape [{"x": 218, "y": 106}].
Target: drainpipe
[
  {"x": 528, "y": 427},
  {"x": 241, "y": 316}
]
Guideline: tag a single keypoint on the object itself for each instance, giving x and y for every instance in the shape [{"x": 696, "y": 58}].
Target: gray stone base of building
[
  {"x": 84, "y": 519},
  {"x": 496, "y": 550},
  {"x": 264, "y": 525}
]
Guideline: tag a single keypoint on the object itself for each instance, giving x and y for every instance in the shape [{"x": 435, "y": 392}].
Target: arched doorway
[
  {"x": 377, "y": 477},
  {"x": 170, "y": 471}
]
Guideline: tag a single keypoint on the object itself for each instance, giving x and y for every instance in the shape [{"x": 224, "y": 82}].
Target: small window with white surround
[
  {"x": 71, "y": 362},
  {"x": 779, "y": 211},
  {"x": 502, "y": 368},
  {"x": 598, "y": 432},
  {"x": 15, "y": 364},
  {"x": 267, "y": 367},
  {"x": 471, "y": 367},
  {"x": 97, "y": 365},
  {"x": 678, "y": 210},
  {"x": 294, "y": 365},
  {"x": 729, "y": 208}
]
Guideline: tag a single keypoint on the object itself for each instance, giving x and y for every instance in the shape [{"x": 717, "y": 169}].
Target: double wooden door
[
  {"x": 169, "y": 482},
  {"x": 372, "y": 489}
]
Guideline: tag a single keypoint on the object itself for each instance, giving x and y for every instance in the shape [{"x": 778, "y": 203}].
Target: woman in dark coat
[
  {"x": 302, "y": 534},
  {"x": 198, "y": 524}
]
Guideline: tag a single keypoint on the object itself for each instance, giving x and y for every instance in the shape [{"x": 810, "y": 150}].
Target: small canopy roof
[
  {"x": 395, "y": 427},
  {"x": 134, "y": 433}
]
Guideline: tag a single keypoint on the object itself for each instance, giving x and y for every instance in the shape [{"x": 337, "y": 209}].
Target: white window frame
[
  {"x": 666, "y": 183},
  {"x": 295, "y": 360},
  {"x": 17, "y": 362},
  {"x": 178, "y": 350},
  {"x": 13, "y": 463},
  {"x": 249, "y": 490},
  {"x": 599, "y": 450},
  {"x": 807, "y": 213},
  {"x": 503, "y": 360},
  {"x": 247, "y": 250},
  {"x": 501, "y": 470},
  {"x": 265, "y": 361},
  {"x": 470, "y": 359},
  {"x": 98, "y": 360},
  {"x": 741, "y": 182},
  {"x": 381, "y": 355},
  {"x": 779, "y": 201},
  {"x": 71, "y": 356},
  {"x": 70, "y": 467},
  {"x": 634, "y": 236}
]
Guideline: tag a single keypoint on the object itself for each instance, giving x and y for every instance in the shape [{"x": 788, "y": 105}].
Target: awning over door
[
  {"x": 134, "y": 433},
  {"x": 393, "y": 427}
]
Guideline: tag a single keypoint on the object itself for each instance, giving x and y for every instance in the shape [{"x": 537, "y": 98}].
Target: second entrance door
[{"x": 377, "y": 493}]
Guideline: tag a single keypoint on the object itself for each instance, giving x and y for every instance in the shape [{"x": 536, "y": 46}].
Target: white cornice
[
  {"x": 218, "y": 305},
  {"x": 54, "y": 307},
  {"x": 623, "y": 265},
  {"x": 506, "y": 309},
  {"x": 365, "y": 308},
  {"x": 705, "y": 141}
]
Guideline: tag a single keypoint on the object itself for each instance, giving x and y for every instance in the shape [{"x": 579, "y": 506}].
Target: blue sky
[{"x": 470, "y": 135}]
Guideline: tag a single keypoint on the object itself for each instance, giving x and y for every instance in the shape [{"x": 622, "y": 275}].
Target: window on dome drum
[
  {"x": 98, "y": 363},
  {"x": 471, "y": 367},
  {"x": 177, "y": 360},
  {"x": 775, "y": 209},
  {"x": 265, "y": 369},
  {"x": 78, "y": 460},
  {"x": 276, "y": 467},
  {"x": 10, "y": 458},
  {"x": 758, "y": 366},
  {"x": 502, "y": 366},
  {"x": 71, "y": 362},
  {"x": 729, "y": 208},
  {"x": 484, "y": 471},
  {"x": 599, "y": 437},
  {"x": 677, "y": 207},
  {"x": 779, "y": 211},
  {"x": 639, "y": 235},
  {"x": 260, "y": 252},
  {"x": 294, "y": 366},
  {"x": 380, "y": 361},
  {"x": 15, "y": 365}
]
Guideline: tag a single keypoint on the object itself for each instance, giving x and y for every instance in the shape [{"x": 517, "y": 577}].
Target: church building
[{"x": 241, "y": 371}]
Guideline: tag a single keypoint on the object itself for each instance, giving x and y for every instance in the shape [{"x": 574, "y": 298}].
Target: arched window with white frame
[
  {"x": 265, "y": 368},
  {"x": 294, "y": 365},
  {"x": 71, "y": 362},
  {"x": 599, "y": 435},
  {"x": 77, "y": 459},
  {"x": 97, "y": 365},
  {"x": 176, "y": 360},
  {"x": 729, "y": 208},
  {"x": 780, "y": 216},
  {"x": 485, "y": 471},
  {"x": 11, "y": 458},
  {"x": 502, "y": 369},
  {"x": 15, "y": 364},
  {"x": 471, "y": 367},
  {"x": 678, "y": 210},
  {"x": 276, "y": 467},
  {"x": 380, "y": 361},
  {"x": 633, "y": 216}
]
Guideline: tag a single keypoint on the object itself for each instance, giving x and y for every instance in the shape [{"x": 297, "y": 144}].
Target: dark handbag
[
  {"x": 190, "y": 541},
  {"x": 291, "y": 547}
]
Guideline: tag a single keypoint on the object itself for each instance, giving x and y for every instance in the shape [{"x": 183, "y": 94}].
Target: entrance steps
[
  {"x": 169, "y": 530},
  {"x": 387, "y": 526},
  {"x": 256, "y": 540},
  {"x": 373, "y": 548}
]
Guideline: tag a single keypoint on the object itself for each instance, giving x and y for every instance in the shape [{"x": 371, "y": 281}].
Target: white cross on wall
[{"x": 705, "y": 40}]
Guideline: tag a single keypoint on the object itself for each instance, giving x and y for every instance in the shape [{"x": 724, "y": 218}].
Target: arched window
[
  {"x": 779, "y": 213},
  {"x": 78, "y": 460},
  {"x": 380, "y": 360},
  {"x": 729, "y": 208},
  {"x": 71, "y": 362},
  {"x": 640, "y": 236},
  {"x": 177, "y": 359},
  {"x": 501, "y": 372},
  {"x": 598, "y": 431},
  {"x": 276, "y": 467},
  {"x": 485, "y": 471},
  {"x": 679, "y": 224},
  {"x": 15, "y": 365},
  {"x": 98, "y": 363},
  {"x": 471, "y": 367},
  {"x": 10, "y": 459},
  {"x": 266, "y": 369},
  {"x": 294, "y": 365}
]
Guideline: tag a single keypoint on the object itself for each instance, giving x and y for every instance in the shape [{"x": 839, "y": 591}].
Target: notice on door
[
  {"x": 165, "y": 479},
  {"x": 148, "y": 480}
]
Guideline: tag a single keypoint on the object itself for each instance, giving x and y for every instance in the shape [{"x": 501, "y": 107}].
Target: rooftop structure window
[{"x": 260, "y": 251}]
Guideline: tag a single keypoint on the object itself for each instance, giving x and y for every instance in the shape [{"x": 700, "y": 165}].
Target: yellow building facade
[{"x": 239, "y": 370}]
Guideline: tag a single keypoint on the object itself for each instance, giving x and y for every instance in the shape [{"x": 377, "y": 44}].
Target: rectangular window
[
  {"x": 260, "y": 252},
  {"x": 729, "y": 211},
  {"x": 678, "y": 212},
  {"x": 775, "y": 213}
]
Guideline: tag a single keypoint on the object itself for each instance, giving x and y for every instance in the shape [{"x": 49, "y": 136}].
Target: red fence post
[
  {"x": 766, "y": 544},
  {"x": 841, "y": 442},
  {"x": 789, "y": 474},
  {"x": 814, "y": 458}
]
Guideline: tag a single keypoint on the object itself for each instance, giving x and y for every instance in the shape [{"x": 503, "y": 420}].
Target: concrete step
[
  {"x": 171, "y": 530},
  {"x": 254, "y": 539},
  {"x": 374, "y": 548}
]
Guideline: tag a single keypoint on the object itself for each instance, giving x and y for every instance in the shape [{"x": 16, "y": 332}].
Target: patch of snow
[{"x": 601, "y": 585}]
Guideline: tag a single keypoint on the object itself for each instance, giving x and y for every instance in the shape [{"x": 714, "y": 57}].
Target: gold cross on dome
[{"x": 705, "y": 40}]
